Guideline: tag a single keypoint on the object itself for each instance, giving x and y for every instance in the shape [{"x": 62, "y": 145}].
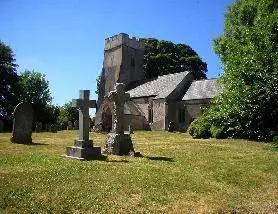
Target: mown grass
[{"x": 175, "y": 175}]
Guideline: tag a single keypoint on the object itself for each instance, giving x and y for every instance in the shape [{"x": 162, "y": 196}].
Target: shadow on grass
[
  {"x": 118, "y": 161},
  {"x": 105, "y": 158},
  {"x": 161, "y": 159},
  {"x": 37, "y": 144},
  {"x": 29, "y": 144},
  {"x": 100, "y": 158}
]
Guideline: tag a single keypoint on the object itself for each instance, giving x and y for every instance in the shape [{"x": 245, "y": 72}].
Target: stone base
[
  {"x": 21, "y": 139},
  {"x": 118, "y": 144},
  {"x": 83, "y": 150}
]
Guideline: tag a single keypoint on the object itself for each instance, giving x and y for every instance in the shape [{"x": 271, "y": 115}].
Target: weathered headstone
[
  {"x": 1, "y": 125},
  {"x": 117, "y": 142},
  {"x": 61, "y": 126},
  {"x": 53, "y": 128},
  {"x": 130, "y": 130},
  {"x": 38, "y": 127},
  {"x": 83, "y": 147},
  {"x": 22, "y": 124},
  {"x": 171, "y": 126},
  {"x": 70, "y": 126},
  {"x": 47, "y": 127},
  {"x": 75, "y": 125}
]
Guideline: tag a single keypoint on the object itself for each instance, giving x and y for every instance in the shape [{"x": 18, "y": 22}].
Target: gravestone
[
  {"x": 171, "y": 126},
  {"x": 1, "y": 125},
  {"x": 46, "y": 127},
  {"x": 38, "y": 127},
  {"x": 130, "y": 130},
  {"x": 53, "y": 128},
  {"x": 63, "y": 126},
  {"x": 22, "y": 124},
  {"x": 70, "y": 126},
  {"x": 83, "y": 147},
  {"x": 117, "y": 142},
  {"x": 75, "y": 125}
]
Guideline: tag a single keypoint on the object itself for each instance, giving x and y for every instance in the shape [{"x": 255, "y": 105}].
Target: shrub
[
  {"x": 217, "y": 132},
  {"x": 200, "y": 128}
]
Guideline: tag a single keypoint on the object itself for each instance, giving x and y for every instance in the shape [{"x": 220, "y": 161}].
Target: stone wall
[
  {"x": 143, "y": 104},
  {"x": 159, "y": 115},
  {"x": 193, "y": 109},
  {"x": 159, "y": 107},
  {"x": 137, "y": 122}
]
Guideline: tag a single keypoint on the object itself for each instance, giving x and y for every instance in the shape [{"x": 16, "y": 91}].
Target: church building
[{"x": 154, "y": 103}]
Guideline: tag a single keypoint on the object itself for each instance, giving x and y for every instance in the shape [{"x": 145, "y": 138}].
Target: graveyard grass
[{"x": 176, "y": 174}]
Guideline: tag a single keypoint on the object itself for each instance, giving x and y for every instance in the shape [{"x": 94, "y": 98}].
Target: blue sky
[{"x": 64, "y": 39}]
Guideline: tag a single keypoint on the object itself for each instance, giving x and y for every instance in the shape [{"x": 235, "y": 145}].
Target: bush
[
  {"x": 200, "y": 128},
  {"x": 218, "y": 132}
]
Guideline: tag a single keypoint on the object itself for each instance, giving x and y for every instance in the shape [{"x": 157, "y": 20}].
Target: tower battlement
[{"x": 123, "y": 39}]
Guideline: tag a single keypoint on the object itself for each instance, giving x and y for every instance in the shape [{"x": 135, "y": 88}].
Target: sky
[{"x": 64, "y": 39}]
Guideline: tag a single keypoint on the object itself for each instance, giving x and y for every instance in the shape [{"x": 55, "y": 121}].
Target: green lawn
[{"x": 175, "y": 175}]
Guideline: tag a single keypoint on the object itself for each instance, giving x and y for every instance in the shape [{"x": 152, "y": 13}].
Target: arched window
[
  {"x": 150, "y": 119},
  {"x": 181, "y": 115}
]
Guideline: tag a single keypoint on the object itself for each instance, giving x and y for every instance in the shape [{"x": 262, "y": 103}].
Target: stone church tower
[{"x": 123, "y": 62}]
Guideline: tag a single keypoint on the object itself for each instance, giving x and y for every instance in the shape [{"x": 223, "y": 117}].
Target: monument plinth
[
  {"x": 83, "y": 147},
  {"x": 117, "y": 142}
]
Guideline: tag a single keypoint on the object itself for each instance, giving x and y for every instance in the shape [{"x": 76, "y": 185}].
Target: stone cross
[
  {"x": 118, "y": 97},
  {"x": 84, "y": 103}
]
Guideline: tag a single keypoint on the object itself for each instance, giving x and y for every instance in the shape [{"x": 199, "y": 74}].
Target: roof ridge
[
  {"x": 173, "y": 74},
  {"x": 215, "y": 78}
]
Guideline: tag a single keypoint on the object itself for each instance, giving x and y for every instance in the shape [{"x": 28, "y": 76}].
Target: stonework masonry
[
  {"x": 122, "y": 39},
  {"x": 123, "y": 62}
]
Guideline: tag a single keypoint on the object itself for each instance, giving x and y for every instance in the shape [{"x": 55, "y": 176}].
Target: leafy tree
[
  {"x": 47, "y": 114},
  {"x": 98, "y": 84},
  {"x": 165, "y": 57},
  {"x": 34, "y": 88},
  {"x": 67, "y": 113},
  {"x": 248, "y": 105},
  {"x": 8, "y": 81}
]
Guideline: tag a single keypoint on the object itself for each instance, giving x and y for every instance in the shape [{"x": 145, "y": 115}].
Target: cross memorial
[
  {"x": 117, "y": 142},
  {"x": 83, "y": 147},
  {"x": 83, "y": 104},
  {"x": 119, "y": 97}
]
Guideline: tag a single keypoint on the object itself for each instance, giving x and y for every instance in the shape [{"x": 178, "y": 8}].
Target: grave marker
[
  {"x": 22, "y": 124},
  {"x": 83, "y": 147},
  {"x": 117, "y": 142}
]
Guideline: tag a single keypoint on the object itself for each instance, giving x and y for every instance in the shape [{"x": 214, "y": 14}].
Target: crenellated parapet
[{"x": 123, "y": 39}]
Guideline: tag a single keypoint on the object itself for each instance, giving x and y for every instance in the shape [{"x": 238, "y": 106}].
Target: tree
[
  {"x": 248, "y": 105},
  {"x": 8, "y": 80},
  {"x": 34, "y": 88},
  {"x": 165, "y": 57},
  {"x": 67, "y": 113},
  {"x": 47, "y": 114}
]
